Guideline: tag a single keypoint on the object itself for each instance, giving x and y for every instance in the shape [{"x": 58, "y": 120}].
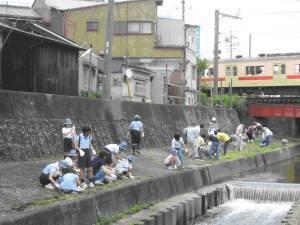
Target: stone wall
[{"x": 30, "y": 123}]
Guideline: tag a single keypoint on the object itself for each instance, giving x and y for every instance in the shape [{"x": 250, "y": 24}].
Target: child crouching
[{"x": 172, "y": 162}]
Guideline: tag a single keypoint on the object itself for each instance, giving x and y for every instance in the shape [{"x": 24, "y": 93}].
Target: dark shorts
[
  {"x": 68, "y": 144},
  {"x": 44, "y": 179},
  {"x": 85, "y": 161},
  {"x": 135, "y": 137}
]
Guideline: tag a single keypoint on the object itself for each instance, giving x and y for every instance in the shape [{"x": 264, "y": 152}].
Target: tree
[{"x": 202, "y": 65}]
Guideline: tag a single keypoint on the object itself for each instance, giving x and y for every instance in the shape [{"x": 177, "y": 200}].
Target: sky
[{"x": 273, "y": 24}]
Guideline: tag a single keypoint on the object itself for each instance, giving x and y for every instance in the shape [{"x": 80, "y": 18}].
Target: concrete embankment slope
[
  {"x": 84, "y": 211},
  {"x": 30, "y": 123}
]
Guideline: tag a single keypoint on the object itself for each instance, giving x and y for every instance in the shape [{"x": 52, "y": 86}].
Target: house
[
  {"x": 34, "y": 59},
  {"x": 20, "y": 13},
  {"x": 90, "y": 69},
  {"x": 139, "y": 41}
]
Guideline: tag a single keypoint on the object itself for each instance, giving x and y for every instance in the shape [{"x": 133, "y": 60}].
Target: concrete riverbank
[{"x": 153, "y": 184}]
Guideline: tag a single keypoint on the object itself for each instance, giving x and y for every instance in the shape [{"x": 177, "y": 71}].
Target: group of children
[
  {"x": 82, "y": 167},
  {"x": 200, "y": 147}
]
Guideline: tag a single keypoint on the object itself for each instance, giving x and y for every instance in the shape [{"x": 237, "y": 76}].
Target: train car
[{"x": 270, "y": 74}]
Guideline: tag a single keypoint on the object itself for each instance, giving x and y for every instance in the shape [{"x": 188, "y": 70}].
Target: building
[
  {"x": 139, "y": 40},
  {"x": 268, "y": 74},
  {"x": 34, "y": 59},
  {"x": 90, "y": 71}
]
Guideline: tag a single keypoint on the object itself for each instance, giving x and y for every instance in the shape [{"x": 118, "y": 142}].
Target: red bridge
[{"x": 274, "y": 110}]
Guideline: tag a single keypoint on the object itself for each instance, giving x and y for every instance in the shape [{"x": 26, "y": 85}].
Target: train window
[
  {"x": 228, "y": 71},
  {"x": 275, "y": 69},
  {"x": 283, "y": 69},
  {"x": 249, "y": 70},
  {"x": 259, "y": 70},
  {"x": 234, "y": 71},
  {"x": 297, "y": 68}
]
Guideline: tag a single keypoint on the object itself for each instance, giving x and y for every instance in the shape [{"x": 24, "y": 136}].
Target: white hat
[
  {"x": 213, "y": 119},
  {"x": 68, "y": 161}
]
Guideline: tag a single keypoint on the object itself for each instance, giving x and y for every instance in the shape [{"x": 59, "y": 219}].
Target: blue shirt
[
  {"x": 136, "y": 125},
  {"x": 69, "y": 182},
  {"x": 51, "y": 168},
  {"x": 85, "y": 141}
]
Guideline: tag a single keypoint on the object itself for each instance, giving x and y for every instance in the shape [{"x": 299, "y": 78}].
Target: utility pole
[
  {"x": 230, "y": 44},
  {"x": 216, "y": 53},
  {"x": 90, "y": 70},
  {"x": 108, "y": 50},
  {"x": 184, "y": 53},
  {"x": 166, "y": 82},
  {"x": 250, "y": 45},
  {"x": 216, "y": 47}
]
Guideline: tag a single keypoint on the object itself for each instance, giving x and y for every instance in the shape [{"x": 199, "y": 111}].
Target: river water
[{"x": 250, "y": 212}]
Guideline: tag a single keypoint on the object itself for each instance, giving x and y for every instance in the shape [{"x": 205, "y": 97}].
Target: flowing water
[
  {"x": 246, "y": 212},
  {"x": 261, "y": 197}
]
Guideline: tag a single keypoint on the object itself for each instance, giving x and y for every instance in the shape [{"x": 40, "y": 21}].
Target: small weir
[
  {"x": 275, "y": 192},
  {"x": 253, "y": 203}
]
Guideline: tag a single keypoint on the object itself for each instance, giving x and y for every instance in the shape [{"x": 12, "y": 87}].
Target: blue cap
[
  {"x": 130, "y": 158},
  {"x": 68, "y": 121},
  {"x": 173, "y": 152},
  {"x": 123, "y": 146}
]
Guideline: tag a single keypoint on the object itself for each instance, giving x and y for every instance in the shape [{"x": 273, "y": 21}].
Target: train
[{"x": 268, "y": 74}]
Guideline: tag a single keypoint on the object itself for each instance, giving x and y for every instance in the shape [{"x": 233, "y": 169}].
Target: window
[
  {"x": 249, "y": 70},
  {"x": 275, "y": 69},
  {"x": 228, "y": 71},
  {"x": 140, "y": 27},
  {"x": 259, "y": 70},
  {"x": 92, "y": 26},
  {"x": 297, "y": 68},
  {"x": 283, "y": 69},
  {"x": 234, "y": 71},
  {"x": 255, "y": 70},
  {"x": 120, "y": 27},
  {"x": 211, "y": 71},
  {"x": 140, "y": 88}
]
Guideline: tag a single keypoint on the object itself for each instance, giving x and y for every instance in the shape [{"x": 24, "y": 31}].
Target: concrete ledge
[{"x": 85, "y": 210}]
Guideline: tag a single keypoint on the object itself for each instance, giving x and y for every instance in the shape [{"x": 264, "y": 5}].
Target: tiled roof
[{"x": 18, "y": 12}]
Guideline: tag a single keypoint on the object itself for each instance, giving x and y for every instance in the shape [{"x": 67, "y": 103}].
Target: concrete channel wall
[
  {"x": 87, "y": 209},
  {"x": 30, "y": 123}
]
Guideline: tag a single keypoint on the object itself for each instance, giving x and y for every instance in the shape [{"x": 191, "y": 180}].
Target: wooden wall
[{"x": 36, "y": 65}]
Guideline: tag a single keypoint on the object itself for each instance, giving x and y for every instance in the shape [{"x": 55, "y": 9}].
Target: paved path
[{"x": 19, "y": 184}]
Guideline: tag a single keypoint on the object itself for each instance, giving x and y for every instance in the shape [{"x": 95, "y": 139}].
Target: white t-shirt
[
  {"x": 192, "y": 133},
  {"x": 113, "y": 148},
  {"x": 68, "y": 132},
  {"x": 177, "y": 144},
  {"x": 51, "y": 169}
]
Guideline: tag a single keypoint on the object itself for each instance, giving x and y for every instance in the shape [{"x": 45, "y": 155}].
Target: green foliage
[
  {"x": 251, "y": 150},
  {"x": 202, "y": 64},
  {"x": 107, "y": 220},
  {"x": 203, "y": 99},
  {"x": 227, "y": 101},
  {"x": 92, "y": 94}
]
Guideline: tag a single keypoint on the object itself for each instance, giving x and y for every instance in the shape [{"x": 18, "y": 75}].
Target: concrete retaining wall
[
  {"x": 85, "y": 210},
  {"x": 30, "y": 123}
]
